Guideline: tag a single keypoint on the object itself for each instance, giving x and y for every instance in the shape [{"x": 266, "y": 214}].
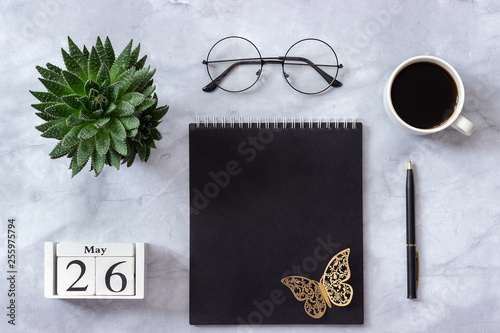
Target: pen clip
[{"x": 416, "y": 264}]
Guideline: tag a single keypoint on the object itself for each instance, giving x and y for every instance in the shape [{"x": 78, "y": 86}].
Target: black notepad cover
[{"x": 266, "y": 204}]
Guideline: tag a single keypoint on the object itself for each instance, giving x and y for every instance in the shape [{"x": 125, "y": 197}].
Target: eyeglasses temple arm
[
  {"x": 328, "y": 78},
  {"x": 324, "y": 75},
  {"x": 213, "y": 85}
]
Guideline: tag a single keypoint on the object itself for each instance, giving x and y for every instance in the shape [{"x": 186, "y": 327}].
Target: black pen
[{"x": 411, "y": 251}]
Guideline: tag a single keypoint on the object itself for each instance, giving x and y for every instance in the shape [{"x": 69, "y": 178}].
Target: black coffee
[{"x": 424, "y": 95}]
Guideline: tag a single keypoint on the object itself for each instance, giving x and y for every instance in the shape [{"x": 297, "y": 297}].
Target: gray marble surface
[{"x": 458, "y": 187}]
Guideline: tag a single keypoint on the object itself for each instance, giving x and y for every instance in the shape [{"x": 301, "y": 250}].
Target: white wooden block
[
  {"x": 75, "y": 276},
  {"x": 140, "y": 270},
  {"x": 115, "y": 276},
  {"x": 50, "y": 262},
  {"x": 58, "y": 278},
  {"x": 95, "y": 249}
]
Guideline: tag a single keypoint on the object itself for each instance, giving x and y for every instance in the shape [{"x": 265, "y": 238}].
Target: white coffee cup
[{"x": 456, "y": 120}]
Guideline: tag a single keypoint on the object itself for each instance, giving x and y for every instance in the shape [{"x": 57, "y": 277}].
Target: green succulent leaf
[
  {"x": 50, "y": 75},
  {"x": 86, "y": 103},
  {"x": 56, "y": 88},
  {"x": 94, "y": 64},
  {"x": 150, "y": 142},
  {"x": 98, "y": 113},
  {"x": 45, "y": 126},
  {"x": 143, "y": 151},
  {"x": 139, "y": 76},
  {"x": 133, "y": 98},
  {"x": 44, "y": 97},
  {"x": 42, "y": 106},
  {"x": 102, "y": 122},
  {"x": 86, "y": 52},
  {"x": 73, "y": 66},
  {"x": 88, "y": 131},
  {"x": 103, "y": 75},
  {"x": 60, "y": 150},
  {"x": 110, "y": 53},
  {"x": 140, "y": 64},
  {"x": 124, "y": 109},
  {"x": 89, "y": 85},
  {"x": 121, "y": 62},
  {"x": 75, "y": 168},
  {"x": 86, "y": 115},
  {"x": 116, "y": 129},
  {"x": 130, "y": 158},
  {"x": 156, "y": 135},
  {"x": 57, "y": 131},
  {"x": 114, "y": 158},
  {"x": 74, "y": 82},
  {"x": 85, "y": 149},
  {"x": 71, "y": 138},
  {"x": 77, "y": 55},
  {"x": 102, "y": 142},
  {"x": 148, "y": 91},
  {"x": 146, "y": 104},
  {"x": 45, "y": 116},
  {"x": 98, "y": 162},
  {"x": 125, "y": 78},
  {"x": 111, "y": 108},
  {"x": 60, "y": 110},
  {"x": 132, "y": 133},
  {"x": 100, "y": 50},
  {"x": 130, "y": 122},
  {"x": 112, "y": 91},
  {"x": 147, "y": 85},
  {"x": 147, "y": 79},
  {"x": 158, "y": 113},
  {"x": 54, "y": 68},
  {"x": 119, "y": 145},
  {"x": 74, "y": 120},
  {"x": 73, "y": 101},
  {"x": 134, "y": 55}
]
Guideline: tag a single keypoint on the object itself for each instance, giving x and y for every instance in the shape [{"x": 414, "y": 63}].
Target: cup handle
[{"x": 463, "y": 125}]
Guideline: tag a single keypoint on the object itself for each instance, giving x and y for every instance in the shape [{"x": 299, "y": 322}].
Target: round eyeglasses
[{"x": 234, "y": 64}]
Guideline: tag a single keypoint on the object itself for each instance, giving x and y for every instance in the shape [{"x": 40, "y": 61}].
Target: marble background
[{"x": 458, "y": 187}]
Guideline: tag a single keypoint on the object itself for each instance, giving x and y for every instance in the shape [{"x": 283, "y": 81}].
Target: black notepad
[{"x": 268, "y": 201}]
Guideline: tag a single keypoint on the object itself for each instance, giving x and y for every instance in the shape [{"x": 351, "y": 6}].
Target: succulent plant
[{"x": 100, "y": 108}]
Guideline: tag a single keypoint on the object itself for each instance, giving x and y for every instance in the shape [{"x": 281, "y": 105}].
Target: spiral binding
[{"x": 293, "y": 123}]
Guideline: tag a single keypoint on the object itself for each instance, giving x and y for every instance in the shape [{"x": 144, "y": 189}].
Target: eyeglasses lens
[
  {"x": 310, "y": 66},
  {"x": 234, "y": 64}
]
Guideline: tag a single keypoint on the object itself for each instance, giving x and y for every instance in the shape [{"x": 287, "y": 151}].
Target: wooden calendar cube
[
  {"x": 115, "y": 276},
  {"x": 95, "y": 270},
  {"x": 76, "y": 276}
]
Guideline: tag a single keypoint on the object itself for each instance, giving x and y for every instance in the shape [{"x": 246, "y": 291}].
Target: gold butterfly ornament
[{"x": 330, "y": 289}]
